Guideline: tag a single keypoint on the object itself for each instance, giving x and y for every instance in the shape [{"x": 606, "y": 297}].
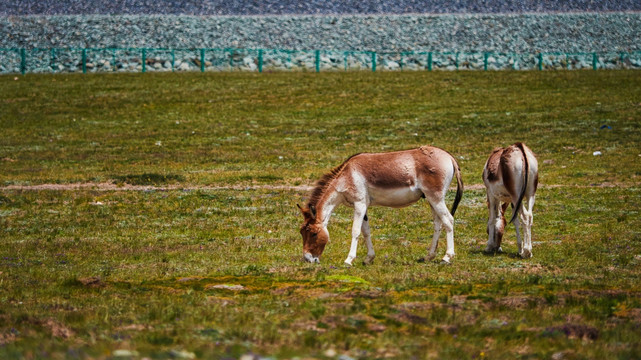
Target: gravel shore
[{"x": 289, "y": 42}]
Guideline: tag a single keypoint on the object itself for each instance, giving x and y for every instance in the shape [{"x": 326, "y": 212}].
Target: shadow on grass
[
  {"x": 149, "y": 179},
  {"x": 508, "y": 254}
]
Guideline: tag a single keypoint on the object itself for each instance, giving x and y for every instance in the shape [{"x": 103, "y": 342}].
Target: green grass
[
  {"x": 283, "y": 127},
  {"x": 205, "y": 260}
]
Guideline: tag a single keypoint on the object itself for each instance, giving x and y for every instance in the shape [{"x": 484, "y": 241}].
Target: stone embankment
[
  {"x": 99, "y": 43},
  {"x": 308, "y": 7}
]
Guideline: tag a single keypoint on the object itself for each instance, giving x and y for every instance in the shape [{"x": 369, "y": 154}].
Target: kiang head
[
  {"x": 499, "y": 228},
  {"x": 315, "y": 237}
]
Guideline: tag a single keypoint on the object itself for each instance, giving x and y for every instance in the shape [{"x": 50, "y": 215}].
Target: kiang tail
[
  {"x": 459, "y": 186},
  {"x": 526, "y": 171}
]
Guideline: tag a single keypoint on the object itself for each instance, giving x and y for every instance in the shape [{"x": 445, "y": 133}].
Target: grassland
[{"x": 182, "y": 240}]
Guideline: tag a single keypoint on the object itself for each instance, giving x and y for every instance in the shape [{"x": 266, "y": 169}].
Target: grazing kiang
[
  {"x": 511, "y": 177},
  {"x": 393, "y": 179}
]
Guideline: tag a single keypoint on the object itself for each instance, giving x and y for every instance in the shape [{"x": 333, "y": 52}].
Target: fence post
[
  {"x": 202, "y": 60},
  {"x": 374, "y": 61},
  {"x": 317, "y": 61},
  {"x": 52, "y": 60},
  {"x": 540, "y": 61},
  {"x": 84, "y": 61},
  {"x": 621, "y": 59},
  {"x": 144, "y": 60},
  {"x": 113, "y": 59},
  {"x": 594, "y": 61},
  {"x": 173, "y": 60},
  {"x": 429, "y": 61},
  {"x": 345, "y": 60},
  {"x": 260, "y": 60},
  {"x": 485, "y": 57},
  {"x": 289, "y": 58},
  {"x": 23, "y": 61}
]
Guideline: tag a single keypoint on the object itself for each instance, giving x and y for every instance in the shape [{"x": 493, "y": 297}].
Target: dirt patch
[
  {"x": 365, "y": 294},
  {"x": 533, "y": 268},
  {"x": 387, "y": 353},
  {"x": 634, "y": 315},
  {"x": 149, "y": 179},
  {"x": 586, "y": 294},
  {"x": 449, "y": 329},
  {"x": 576, "y": 331},
  {"x": 357, "y": 322},
  {"x": 312, "y": 293},
  {"x": 465, "y": 300},
  {"x": 7, "y": 338},
  {"x": 57, "y": 329},
  {"x": 424, "y": 306},
  {"x": 286, "y": 289},
  {"x": 221, "y": 301},
  {"x": 133, "y": 327},
  {"x": 520, "y": 302},
  {"x": 610, "y": 293},
  {"x": 405, "y": 317},
  {"x": 309, "y": 325},
  {"x": 93, "y": 282},
  {"x": 231, "y": 287},
  {"x": 108, "y": 186}
]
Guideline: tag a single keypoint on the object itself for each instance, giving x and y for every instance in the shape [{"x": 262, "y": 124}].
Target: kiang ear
[{"x": 306, "y": 213}]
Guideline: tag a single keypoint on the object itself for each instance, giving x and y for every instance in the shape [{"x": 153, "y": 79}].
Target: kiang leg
[
  {"x": 527, "y": 218},
  {"x": 437, "y": 233},
  {"x": 517, "y": 227},
  {"x": 360, "y": 209},
  {"x": 368, "y": 240},
  {"x": 447, "y": 224},
  {"x": 493, "y": 224}
]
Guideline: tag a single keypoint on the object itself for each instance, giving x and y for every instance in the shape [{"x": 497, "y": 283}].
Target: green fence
[{"x": 67, "y": 60}]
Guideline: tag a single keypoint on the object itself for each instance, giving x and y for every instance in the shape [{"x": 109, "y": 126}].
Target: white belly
[{"x": 396, "y": 197}]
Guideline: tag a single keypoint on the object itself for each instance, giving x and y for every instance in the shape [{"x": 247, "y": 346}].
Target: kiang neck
[{"x": 326, "y": 205}]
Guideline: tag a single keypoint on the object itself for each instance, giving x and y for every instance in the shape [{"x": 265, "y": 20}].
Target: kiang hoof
[
  {"x": 526, "y": 254},
  {"x": 493, "y": 251},
  {"x": 368, "y": 261},
  {"x": 426, "y": 258}
]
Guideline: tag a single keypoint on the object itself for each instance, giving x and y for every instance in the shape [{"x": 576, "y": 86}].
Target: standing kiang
[
  {"x": 394, "y": 179},
  {"x": 511, "y": 176}
]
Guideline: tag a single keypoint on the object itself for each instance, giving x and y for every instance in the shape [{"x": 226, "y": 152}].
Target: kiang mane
[{"x": 324, "y": 182}]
